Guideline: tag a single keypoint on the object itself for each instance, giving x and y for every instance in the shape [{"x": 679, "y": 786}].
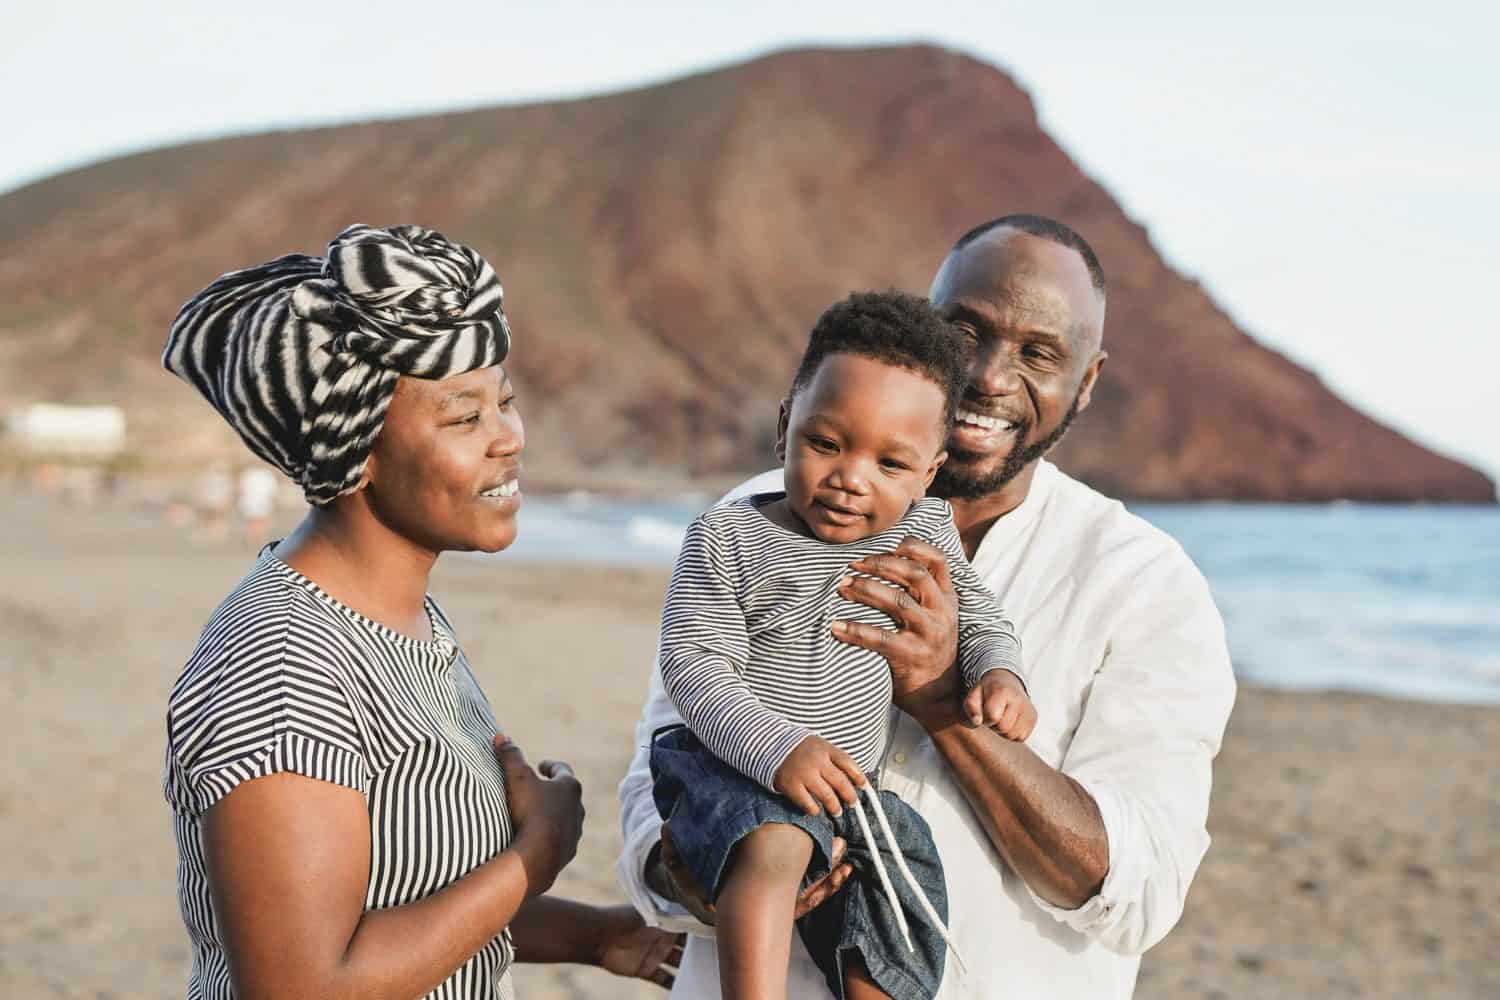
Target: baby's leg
[
  {"x": 754, "y": 911},
  {"x": 857, "y": 982}
]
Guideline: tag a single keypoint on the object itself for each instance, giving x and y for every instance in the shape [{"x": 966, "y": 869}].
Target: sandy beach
[{"x": 1356, "y": 840}]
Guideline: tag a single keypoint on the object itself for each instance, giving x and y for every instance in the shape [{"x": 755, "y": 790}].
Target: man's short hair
[
  {"x": 898, "y": 329},
  {"x": 1047, "y": 229}
]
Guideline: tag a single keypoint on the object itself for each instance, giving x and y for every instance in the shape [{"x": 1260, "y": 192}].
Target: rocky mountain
[{"x": 664, "y": 253}]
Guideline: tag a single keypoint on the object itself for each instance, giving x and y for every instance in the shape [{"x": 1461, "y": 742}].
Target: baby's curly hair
[{"x": 898, "y": 329}]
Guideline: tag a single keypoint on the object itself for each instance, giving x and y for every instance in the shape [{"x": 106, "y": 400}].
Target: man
[{"x": 1071, "y": 854}]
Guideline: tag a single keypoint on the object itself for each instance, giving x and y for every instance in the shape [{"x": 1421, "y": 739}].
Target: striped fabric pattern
[
  {"x": 287, "y": 679},
  {"x": 746, "y": 651},
  {"x": 300, "y": 355}
]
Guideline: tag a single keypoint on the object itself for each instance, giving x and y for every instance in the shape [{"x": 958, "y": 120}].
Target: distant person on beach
[
  {"x": 349, "y": 821},
  {"x": 257, "y": 501},
  {"x": 784, "y": 722},
  {"x": 213, "y": 496},
  {"x": 1070, "y": 854}
]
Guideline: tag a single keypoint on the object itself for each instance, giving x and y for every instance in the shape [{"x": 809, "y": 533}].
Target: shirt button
[{"x": 899, "y": 757}]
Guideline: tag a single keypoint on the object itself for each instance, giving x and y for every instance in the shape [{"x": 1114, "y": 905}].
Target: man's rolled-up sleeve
[
  {"x": 1144, "y": 750},
  {"x": 641, "y": 824}
]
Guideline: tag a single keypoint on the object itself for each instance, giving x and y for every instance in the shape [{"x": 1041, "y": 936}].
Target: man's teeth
[
  {"x": 503, "y": 490},
  {"x": 980, "y": 420}
]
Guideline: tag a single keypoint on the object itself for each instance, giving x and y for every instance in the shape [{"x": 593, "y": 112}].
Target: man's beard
[{"x": 955, "y": 483}]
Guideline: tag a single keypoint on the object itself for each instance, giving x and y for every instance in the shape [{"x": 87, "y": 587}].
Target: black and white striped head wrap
[{"x": 301, "y": 355}]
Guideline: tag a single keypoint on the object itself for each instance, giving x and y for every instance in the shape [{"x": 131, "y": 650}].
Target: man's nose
[{"x": 994, "y": 373}]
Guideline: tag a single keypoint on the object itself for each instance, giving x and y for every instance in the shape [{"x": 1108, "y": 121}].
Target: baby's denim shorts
[{"x": 711, "y": 806}]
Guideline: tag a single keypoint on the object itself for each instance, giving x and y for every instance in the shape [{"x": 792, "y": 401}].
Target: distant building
[{"x": 56, "y": 429}]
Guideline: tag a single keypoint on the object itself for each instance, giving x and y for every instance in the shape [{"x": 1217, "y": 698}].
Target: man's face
[
  {"x": 1034, "y": 320},
  {"x": 860, "y": 443}
]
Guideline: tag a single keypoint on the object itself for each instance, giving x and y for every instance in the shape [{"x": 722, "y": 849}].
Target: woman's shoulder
[
  {"x": 266, "y": 621},
  {"x": 265, "y": 670}
]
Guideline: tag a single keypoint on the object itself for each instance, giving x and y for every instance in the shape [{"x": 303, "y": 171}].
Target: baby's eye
[
  {"x": 821, "y": 444},
  {"x": 894, "y": 464}
]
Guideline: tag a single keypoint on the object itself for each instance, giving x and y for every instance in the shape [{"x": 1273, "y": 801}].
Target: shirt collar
[{"x": 1010, "y": 526}]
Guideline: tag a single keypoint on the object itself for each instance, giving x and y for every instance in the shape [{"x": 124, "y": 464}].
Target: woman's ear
[
  {"x": 937, "y": 463},
  {"x": 783, "y": 419},
  {"x": 368, "y": 474}
]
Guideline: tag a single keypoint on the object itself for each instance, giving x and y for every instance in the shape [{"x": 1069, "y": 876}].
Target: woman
[{"x": 349, "y": 822}]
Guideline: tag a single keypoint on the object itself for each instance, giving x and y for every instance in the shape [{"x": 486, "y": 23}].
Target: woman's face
[{"x": 445, "y": 470}]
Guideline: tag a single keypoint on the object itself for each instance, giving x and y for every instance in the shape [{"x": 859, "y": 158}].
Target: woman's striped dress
[{"x": 285, "y": 678}]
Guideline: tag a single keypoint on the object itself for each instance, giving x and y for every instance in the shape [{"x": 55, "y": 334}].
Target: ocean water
[{"x": 1401, "y": 601}]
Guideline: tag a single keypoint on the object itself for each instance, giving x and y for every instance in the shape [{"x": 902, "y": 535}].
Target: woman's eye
[{"x": 507, "y": 402}]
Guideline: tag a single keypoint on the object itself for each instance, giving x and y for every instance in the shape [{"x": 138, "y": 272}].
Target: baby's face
[{"x": 860, "y": 443}]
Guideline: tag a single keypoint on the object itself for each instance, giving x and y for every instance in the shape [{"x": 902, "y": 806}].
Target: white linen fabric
[{"x": 1130, "y": 674}]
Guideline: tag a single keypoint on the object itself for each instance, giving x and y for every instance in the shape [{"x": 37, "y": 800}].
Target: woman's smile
[{"x": 503, "y": 496}]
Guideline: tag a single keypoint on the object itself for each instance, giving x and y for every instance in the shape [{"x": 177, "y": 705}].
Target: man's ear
[
  {"x": 1086, "y": 391},
  {"x": 783, "y": 419},
  {"x": 937, "y": 463}
]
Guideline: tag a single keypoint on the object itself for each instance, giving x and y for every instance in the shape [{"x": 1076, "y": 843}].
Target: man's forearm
[{"x": 1043, "y": 823}]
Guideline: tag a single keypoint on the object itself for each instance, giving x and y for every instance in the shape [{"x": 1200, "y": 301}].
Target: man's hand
[
  {"x": 632, "y": 949},
  {"x": 818, "y": 775},
  {"x": 668, "y": 875},
  {"x": 924, "y": 605},
  {"x": 999, "y": 701}
]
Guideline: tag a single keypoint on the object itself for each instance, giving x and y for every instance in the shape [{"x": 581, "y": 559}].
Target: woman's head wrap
[{"x": 301, "y": 354}]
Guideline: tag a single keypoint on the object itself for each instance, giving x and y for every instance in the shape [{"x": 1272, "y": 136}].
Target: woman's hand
[
  {"x": 547, "y": 811},
  {"x": 630, "y": 948},
  {"x": 670, "y": 876}
]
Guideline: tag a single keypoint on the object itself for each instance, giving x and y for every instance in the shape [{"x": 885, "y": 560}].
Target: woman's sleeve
[
  {"x": 704, "y": 649},
  {"x": 259, "y": 712}
]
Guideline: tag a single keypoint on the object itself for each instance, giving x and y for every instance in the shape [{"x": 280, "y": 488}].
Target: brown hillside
[{"x": 665, "y": 251}]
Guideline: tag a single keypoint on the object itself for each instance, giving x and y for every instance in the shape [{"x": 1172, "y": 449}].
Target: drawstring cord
[
  {"x": 885, "y": 880},
  {"x": 906, "y": 873}
]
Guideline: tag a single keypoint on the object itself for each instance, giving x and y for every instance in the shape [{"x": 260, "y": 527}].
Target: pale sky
[{"x": 1329, "y": 171}]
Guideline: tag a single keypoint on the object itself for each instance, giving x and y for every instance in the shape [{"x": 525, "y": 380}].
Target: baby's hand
[
  {"x": 817, "y": 776},
  {"x": 999, "y": 701}
]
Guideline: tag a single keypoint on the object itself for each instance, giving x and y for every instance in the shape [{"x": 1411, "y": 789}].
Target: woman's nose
[{"x": 509, "y": 437}]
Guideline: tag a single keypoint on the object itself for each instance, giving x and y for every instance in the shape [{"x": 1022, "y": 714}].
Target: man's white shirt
[{"x": 1132, "y": 685}]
